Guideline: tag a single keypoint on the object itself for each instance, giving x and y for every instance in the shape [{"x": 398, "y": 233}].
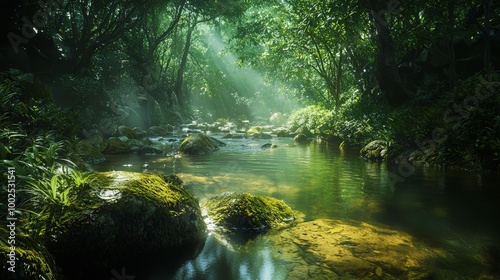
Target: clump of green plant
[
  {"x": 361, "y": 120},
  {"x": 36, "y": 115},
  {"x": 316, "y": 119}
]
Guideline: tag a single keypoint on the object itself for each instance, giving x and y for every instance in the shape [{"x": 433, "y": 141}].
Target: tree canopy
[{"x": 316, "y": 52}]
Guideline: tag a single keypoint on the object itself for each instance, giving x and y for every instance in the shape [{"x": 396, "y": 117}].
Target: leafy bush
[
  {"x": 471, "y": 124},
  {"x": 315, "y": 118},
  {"x": 361, "y": 120},
  {"x": 460, "y": 127},
  {"x": 33, "y": 116}
]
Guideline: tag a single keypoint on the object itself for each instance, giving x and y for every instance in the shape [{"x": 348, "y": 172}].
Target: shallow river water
[{"x": 450, "y": 210}]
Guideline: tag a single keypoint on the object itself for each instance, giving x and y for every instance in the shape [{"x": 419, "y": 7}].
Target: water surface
[{"x": 452, "y": 210}]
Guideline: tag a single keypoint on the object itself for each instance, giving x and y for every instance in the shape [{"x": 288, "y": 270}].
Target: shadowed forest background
[
  {"x": 369, "y": 69},
  {"x": 418, "y": 79}
]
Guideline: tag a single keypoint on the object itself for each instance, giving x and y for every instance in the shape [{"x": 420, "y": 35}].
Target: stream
[{"x": 453, "y": 210}]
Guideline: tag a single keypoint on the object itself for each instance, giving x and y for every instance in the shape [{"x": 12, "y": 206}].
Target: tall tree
[{"x": 387, "y": 73}]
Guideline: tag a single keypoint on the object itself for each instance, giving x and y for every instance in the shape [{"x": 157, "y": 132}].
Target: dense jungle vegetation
[{"x": 420, "y": 75}]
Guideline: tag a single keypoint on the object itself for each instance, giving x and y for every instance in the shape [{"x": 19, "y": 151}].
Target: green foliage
[
  {"x": 58, "y": 190},
  {"x": 32, "y": 116},
  {"x": 315, "y": 118},
  {"x": 361, "y": 120},
  {"x": 471, "y": 124},
  {"x": 460, "y": 127}
]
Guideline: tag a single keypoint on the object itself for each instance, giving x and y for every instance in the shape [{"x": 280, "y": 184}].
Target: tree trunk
[
  {"x": 179, "y": 82},
  {"x": 451, "y": 32},
  {"x": 487, "y": 37},
  {"x": 387, "y": 69},
  {"x": 338, "y": 84}
]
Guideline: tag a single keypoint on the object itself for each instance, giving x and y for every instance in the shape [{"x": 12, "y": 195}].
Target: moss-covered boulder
[
  {"x": 125, "y": 219},
  {"x": 258, "y": 132},
  {"x": 242, "y": 212},
  {"x": 283, "y": 133},
  {"x": 200, "y": 144},
  {"x": 303, "y": 129},
  {"x": 301, "y": 139},
  {"x": 127, "y": 132},
  {"x": 116, "y": 146},
  {"x": 375, "y": 151},
  {"x": 26, "y": 260}
]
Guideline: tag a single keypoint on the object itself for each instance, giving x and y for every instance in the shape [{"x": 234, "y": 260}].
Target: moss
[
  {"x": 199, "y": 144},
  {"x": 124, "y": 216},
  {"x": 116, "y": 146},
  {"x": 253, "y": 131},
  {"x": 301, "y": 139},
  {"x": 375, "y": 150},
  {"x": 243, "y": 212},
  {"x": 33, "y": 261},
  {"x": 127, "y": 132}
]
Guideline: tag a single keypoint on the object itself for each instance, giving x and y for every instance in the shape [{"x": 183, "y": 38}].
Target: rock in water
[
  {"x": 116, "y": 146},
  {"x": 200, "y": 144},
  {"x": 375, "y": 150},
  {"x": 245, "y": 212},
  {"x": 301, "y": 139},
  {"x": 124, "y": 219}
]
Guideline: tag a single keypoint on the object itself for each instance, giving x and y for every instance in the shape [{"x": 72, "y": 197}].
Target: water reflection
[
  {"x": 215, "y": 262},
  {"x": 452, "y": 210}
]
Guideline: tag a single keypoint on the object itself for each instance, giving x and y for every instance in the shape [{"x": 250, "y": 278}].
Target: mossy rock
[
  {"x": 144, "y": 147},
  {"x": 32, "y": 260},
  {"x": 243, "y": 212},
  {"x": 89, "y": 152},
  {"x": 303, "y": 129},
  {"x": 283, "y": 133},
  {"x": 375, "y": 150},
  {"x": 125, "y": 219},
  {"x": 269, "y": 146},
  {"x": 162, "y": 130},
  {"x": 199, "y": 144},
  {"x": 233, "y": 136},
  {"x": 262, "y": 135},
  {"x": 127, "y": 131},
  {"x": 258, "y": 132},
  {"x": 116, "y": 146},
  {"x": 301, "y": 139}
]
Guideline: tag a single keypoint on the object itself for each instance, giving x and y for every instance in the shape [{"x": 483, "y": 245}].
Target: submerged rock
[
  {"x": 28, "y": 260},
  {"x": 124, "y": 219},
  {"x": 245, "y": 212},
  {"x": 358, "y": 250},
  {"x": 375, "y": 150},
  {"x": 233, "y": 136},
  {"x": 199, "y": 144},
  {"x": 269, "y": 146}
]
